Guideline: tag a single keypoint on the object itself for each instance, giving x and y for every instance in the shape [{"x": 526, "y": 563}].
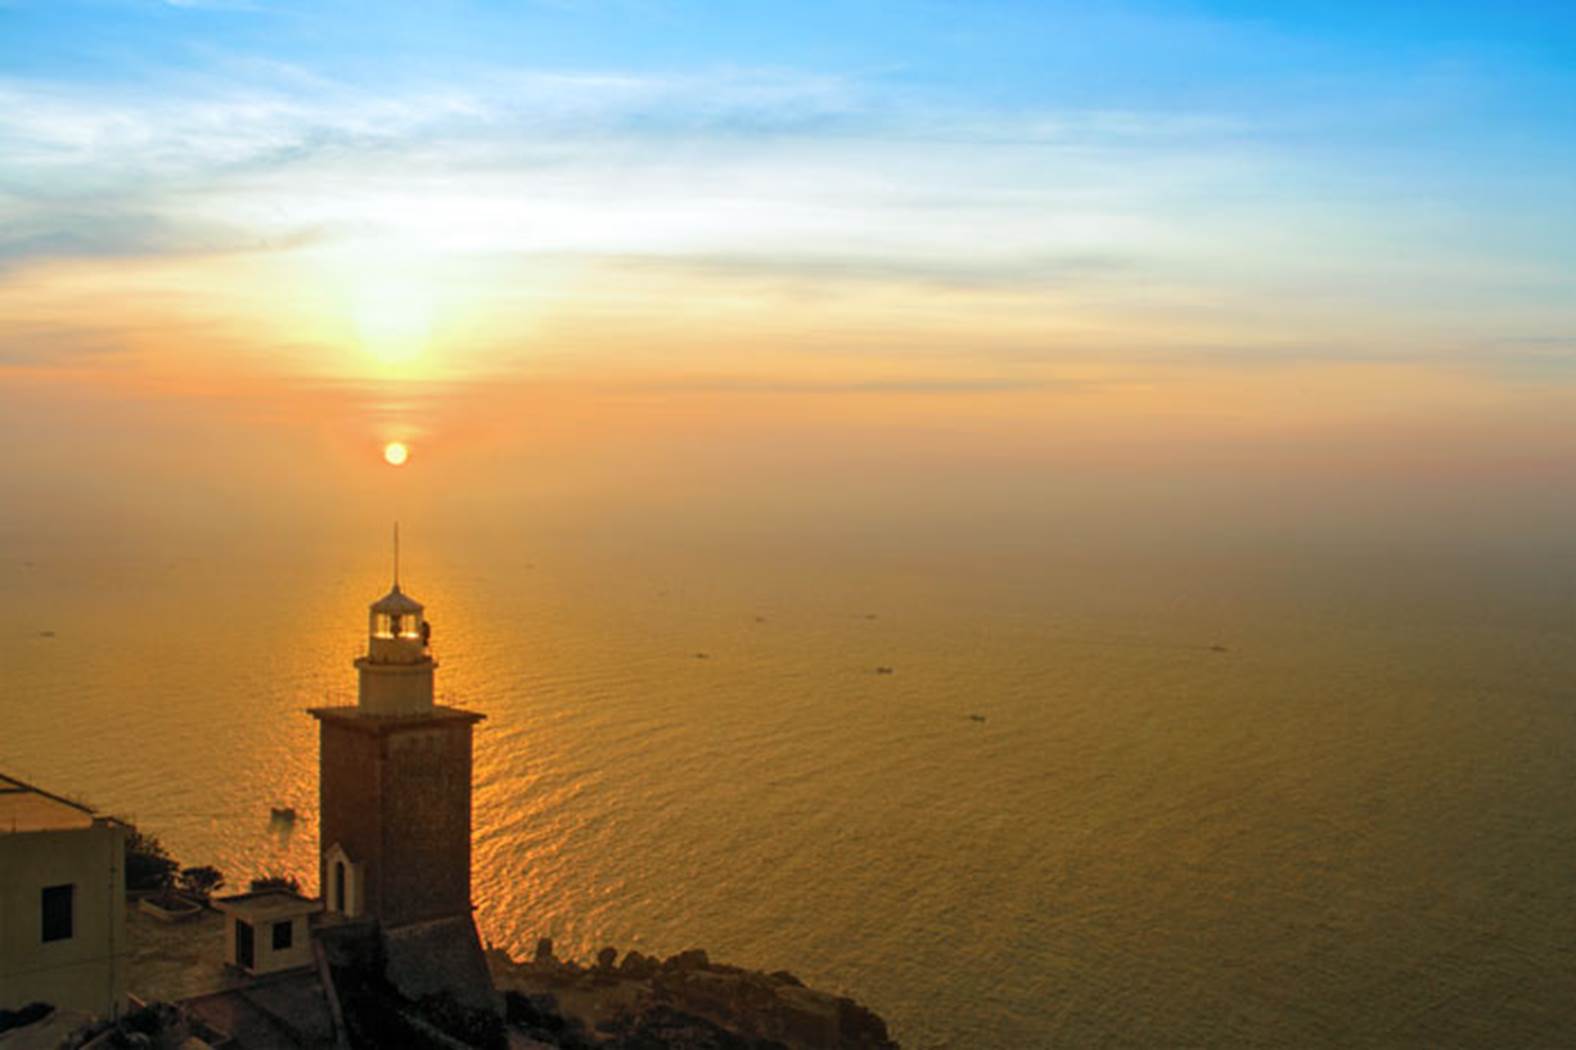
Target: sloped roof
[
  {"x": 441, "y": 955},
  {"x": 285, "y": 1012},
  {"x": 24, "y": 807},
  {"x": 268, "y": 904},
  {"x": 396, "y": 603}
]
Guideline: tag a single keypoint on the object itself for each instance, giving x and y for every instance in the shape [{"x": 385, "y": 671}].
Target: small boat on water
[{"x": 282, "y": 814}]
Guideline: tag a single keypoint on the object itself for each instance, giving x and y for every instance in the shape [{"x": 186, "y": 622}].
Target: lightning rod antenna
[{"x": 396, "y": 555}]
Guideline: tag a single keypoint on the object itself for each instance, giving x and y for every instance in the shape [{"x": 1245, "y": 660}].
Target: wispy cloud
[
  {"x": 819, "y": 168},
  {"x": 966, "y": 273},
  {"x": 1172, "y": 223},
  {"x": 33, "y": 345}
]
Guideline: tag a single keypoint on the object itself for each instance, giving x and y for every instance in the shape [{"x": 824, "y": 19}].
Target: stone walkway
[{"x": 173, "y": 961}]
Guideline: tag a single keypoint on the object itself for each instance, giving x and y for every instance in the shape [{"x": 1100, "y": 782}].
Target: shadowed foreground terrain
[{"x": 684, "y": 1001}]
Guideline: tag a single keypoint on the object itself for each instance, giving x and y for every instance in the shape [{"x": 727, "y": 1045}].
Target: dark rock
[
  {"x": 533, "y": 1011},
  {"x": 808, "y": 1016},
  {"x": 605, "y": 959},
  {"x": 860, "y": 1026},
  {"x": 151, "y": 1019},
  {"x": 544, "y": 951},
  {"x": 452, "y": 1017},
  {"x": 27, "y": 1015},
  {"x": 638, "y": 967},
  {"x": 664, "y": 1028},
  {"x": 694, "y": 959},
  {"x": 687, "y": 1002},
  {"x": 702, "y": 991}
]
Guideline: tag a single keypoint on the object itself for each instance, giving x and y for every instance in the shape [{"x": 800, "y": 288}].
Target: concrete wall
[
  {"x": 86, "y": 972},
  {"x": 350, "y": 804},
  {"x": 264, "y": 958},
  {"x": 398, "y": 799},
  {"x": 395, "y": 688},
  {"x": 427, "y": 835}
]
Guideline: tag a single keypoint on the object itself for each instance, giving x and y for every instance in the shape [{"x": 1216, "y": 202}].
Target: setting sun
[{"x": 1059, "y": 513}]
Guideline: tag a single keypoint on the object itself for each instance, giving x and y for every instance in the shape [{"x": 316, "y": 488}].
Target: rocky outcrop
[{"x": 683, "y": 1002}]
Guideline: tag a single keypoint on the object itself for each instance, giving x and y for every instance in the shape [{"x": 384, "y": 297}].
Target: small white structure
[
  {"x": 343, "y": 889},
  {"x": 267, "y": 931},
  {"x": 62, "y": 903}
]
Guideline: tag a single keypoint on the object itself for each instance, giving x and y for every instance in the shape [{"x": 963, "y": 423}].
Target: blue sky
[
  {"x": 1286, "y": 178},
  {"x": 995, "y": 52}
]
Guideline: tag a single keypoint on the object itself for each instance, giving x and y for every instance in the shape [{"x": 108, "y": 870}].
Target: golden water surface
[{"x": 1192, "y": 736}]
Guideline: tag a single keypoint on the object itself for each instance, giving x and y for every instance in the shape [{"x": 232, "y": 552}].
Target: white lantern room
[{"x": 396, "y": 672}]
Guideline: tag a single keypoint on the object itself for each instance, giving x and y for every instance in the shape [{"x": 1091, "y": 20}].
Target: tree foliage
[
  {"x": 149, "y": 865},
  {"x": 200, "y": 882}
]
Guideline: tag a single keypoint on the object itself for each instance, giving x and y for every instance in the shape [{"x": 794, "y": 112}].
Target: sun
[{"x": 395, "y": 453}]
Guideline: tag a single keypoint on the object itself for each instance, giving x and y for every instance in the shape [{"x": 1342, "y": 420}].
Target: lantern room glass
[{"x": 396, "y": 625}]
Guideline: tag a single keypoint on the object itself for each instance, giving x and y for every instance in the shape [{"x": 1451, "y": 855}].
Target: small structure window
[
  {"x": 283, "y": 931},
  {"x": 58, "y": 912}
]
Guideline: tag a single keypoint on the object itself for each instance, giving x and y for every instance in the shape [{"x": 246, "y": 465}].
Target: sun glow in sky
[
  {"x": 648, "y": 319},
  {"x": 1150, "y": 223},
  {"x": 393, "y": 318}
]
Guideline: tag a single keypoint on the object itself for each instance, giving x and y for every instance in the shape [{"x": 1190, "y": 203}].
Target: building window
[
  {"x": 57, "y": 912},
  {"x": 282, "y": 934}
]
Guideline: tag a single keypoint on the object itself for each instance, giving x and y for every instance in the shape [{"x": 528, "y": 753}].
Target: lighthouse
[{"x": 395, "y": 782}]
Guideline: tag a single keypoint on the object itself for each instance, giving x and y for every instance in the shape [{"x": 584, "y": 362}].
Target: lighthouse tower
[{"x": 395, "y": 782}]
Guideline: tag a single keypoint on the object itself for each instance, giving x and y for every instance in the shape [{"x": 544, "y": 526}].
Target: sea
[{"x": 1162, "y": 776}]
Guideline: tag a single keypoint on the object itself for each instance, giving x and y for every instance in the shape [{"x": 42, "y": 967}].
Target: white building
[
  {"x": 268, "y": 931},
  {"x": 62, "y": 903}
]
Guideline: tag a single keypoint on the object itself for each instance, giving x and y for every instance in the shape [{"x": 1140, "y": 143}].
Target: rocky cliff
[{"x": 683, "y": 1002}]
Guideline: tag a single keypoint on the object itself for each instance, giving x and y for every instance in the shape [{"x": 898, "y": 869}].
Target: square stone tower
[{"x": 395, "y": 783}]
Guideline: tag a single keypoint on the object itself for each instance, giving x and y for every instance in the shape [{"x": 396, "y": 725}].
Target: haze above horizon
[{"x": 1284, "y": 239}]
